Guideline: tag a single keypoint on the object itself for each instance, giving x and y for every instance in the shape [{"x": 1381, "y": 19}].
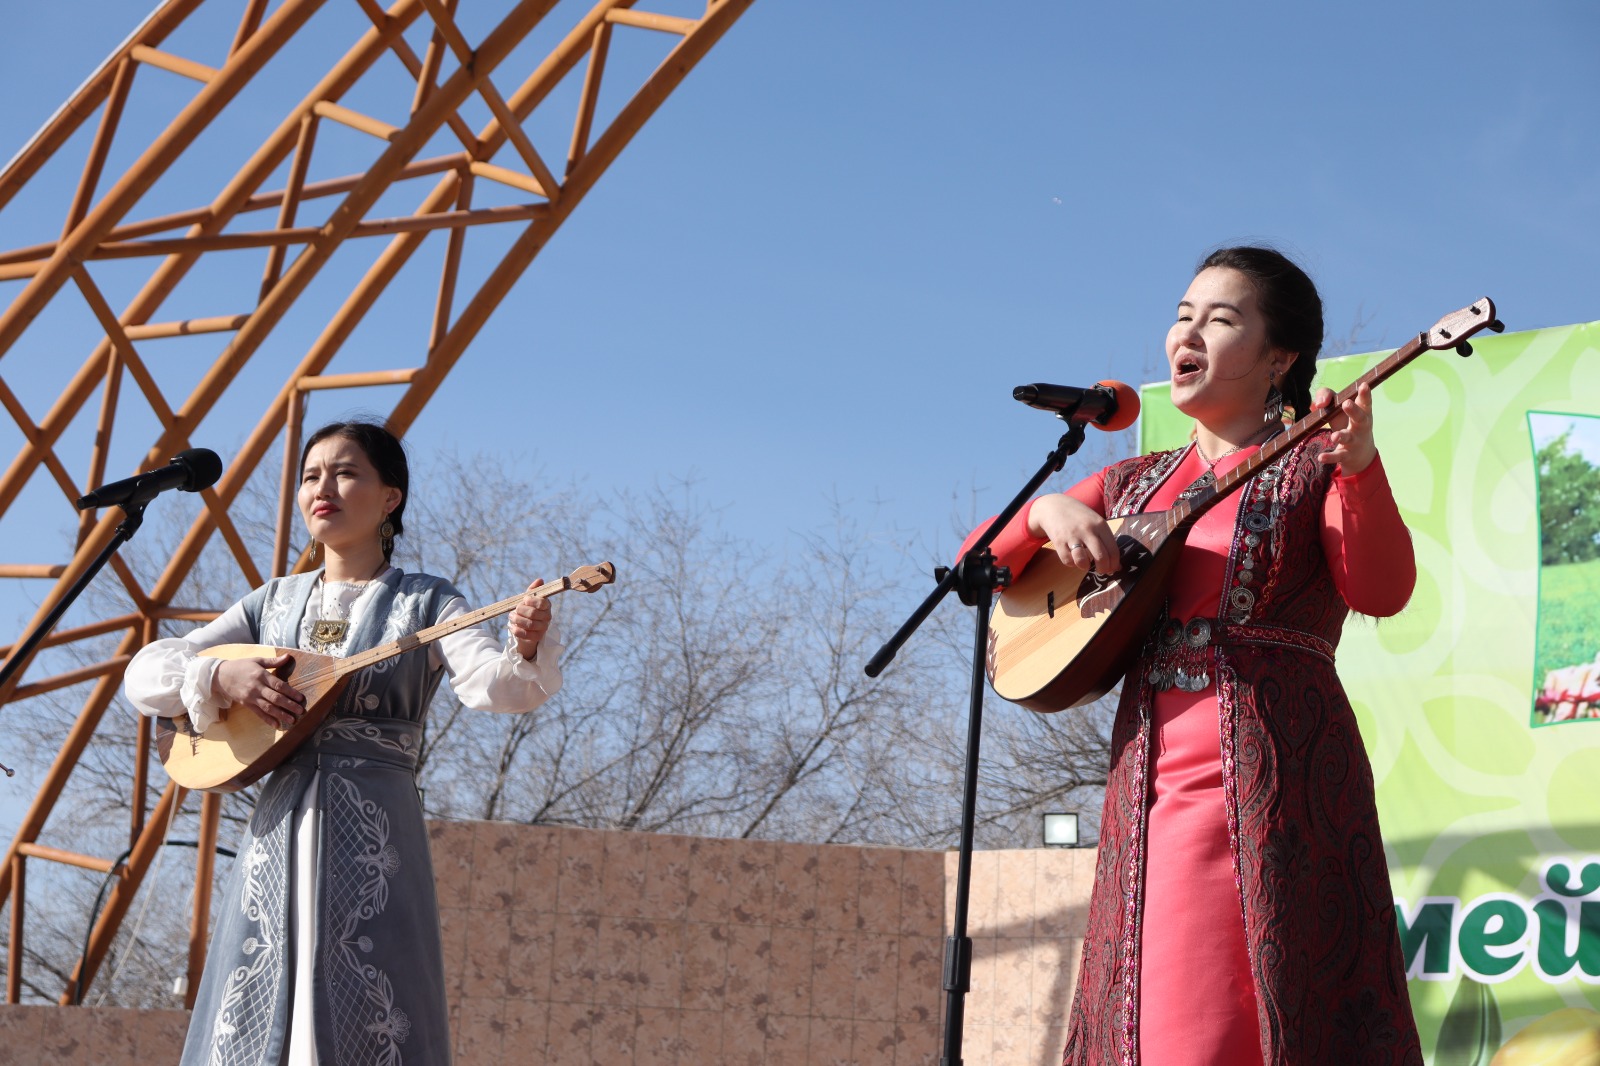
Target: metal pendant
[{"x": 329, "y": 632}]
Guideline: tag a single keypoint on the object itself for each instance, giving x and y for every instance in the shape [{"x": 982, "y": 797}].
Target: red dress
[{"x": 1241, "y": 911}]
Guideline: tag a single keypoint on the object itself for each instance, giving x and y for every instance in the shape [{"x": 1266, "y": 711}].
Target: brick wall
[{"x": 578, "y": 946}]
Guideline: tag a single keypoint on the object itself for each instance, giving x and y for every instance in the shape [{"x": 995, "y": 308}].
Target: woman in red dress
[{"x": 1241, "y": 910}]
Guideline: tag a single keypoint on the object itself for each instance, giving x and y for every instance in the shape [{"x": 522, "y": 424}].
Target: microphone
[
  {"x": 191, "y": 471},
  {"x": 1108, "y": 405}
]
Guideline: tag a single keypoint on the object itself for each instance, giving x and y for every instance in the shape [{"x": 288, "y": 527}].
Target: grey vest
[{"x": 378, "y": 987}]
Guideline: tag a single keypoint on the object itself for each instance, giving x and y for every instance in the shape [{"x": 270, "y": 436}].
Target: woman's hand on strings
[
  {"x": 1079, "y": 533},
  {"x": 1353, "y": 445},
  {"x": 252, "y": 683},
  {"x": 529, "y": 620}
]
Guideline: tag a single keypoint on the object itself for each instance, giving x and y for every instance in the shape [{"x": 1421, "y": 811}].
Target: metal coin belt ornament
[{"x": 1180, "y": 656}]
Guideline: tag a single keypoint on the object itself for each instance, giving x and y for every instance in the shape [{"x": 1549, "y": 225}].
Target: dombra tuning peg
[
  {"x": 1498, "y": 326},
  {"x": 1463, "y": 349}
]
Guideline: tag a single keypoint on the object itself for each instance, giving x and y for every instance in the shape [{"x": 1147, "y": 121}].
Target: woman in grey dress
[{"x": 326, "y": 948}]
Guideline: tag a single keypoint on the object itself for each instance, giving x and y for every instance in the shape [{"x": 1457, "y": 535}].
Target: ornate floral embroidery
[
  {"x": 279, "y": 599},
  {"x": 243, "y": 1026},
  {"x": 360, "y": 861},
  {"x": 361, "y": 729}
]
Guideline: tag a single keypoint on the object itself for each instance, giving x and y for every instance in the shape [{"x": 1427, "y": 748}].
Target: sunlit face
[
  {"x": 342, "y": 499},
  {"x": 1217, "y": 350}
]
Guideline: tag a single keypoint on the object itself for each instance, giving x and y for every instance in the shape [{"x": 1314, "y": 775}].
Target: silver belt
[{"x": 1179, "y": 654}]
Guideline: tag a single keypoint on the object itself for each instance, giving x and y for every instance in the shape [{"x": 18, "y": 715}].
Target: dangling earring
[
  {"x": 313, "y": 551},
  {"x": 1276, "y": 411},
  {"x": 386, "y": 534}
]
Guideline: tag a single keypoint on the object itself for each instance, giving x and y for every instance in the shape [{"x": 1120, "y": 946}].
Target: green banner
[{"x": 1480, "y": 702}]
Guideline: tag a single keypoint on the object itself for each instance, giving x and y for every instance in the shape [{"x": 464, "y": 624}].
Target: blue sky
[
  {"x": 823, "y": 265},
  {"x": 1583, "y": 433}
]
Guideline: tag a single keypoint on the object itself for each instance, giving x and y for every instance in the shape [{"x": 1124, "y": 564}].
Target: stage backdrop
[{"x": 1480, "y": 703}]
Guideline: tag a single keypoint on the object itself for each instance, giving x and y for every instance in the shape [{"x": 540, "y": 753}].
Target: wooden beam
[
  {"x": 647, "y": 20},
  {"x": 356, "y": 120},
  {"x": 83, "y": 632},
  {"x": 100, "y": 452},
  {"x": 70, "y": 858},
  {"x": 184, "y": 614},
  {"x": 288, "y": 480},
  {"x": 123, "y": 891},
  {"x": 187, "y": 327},
  {"x": 187, "y": 68},
  {"x": 291, "y": 200},
  {"x": 122, "y": 350},
  {"x": 115, "y": 665},
  {"x": 109, "y": 119},
  {"x": 201, "y": 243},
  {"x": 138, "y": 800},
  {"x": 200, "y": 917},
  {"x": 450, "y": 271},
  {"x": 307, "y": 234},
  {"x": 249, "y": 22},
  {"x": 508, "y": 177},
  {"x": 16, "y": 870},
  {"x": 428, "y": 75},
  {"x": 32, "y": 569},
  {"x": 589, "y": 98},
  {"x": 364, "y": 379}
]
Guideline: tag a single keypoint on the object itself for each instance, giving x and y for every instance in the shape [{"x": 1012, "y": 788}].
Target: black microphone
[
  {"x": 191, "y": 471},
  {"x": 1108, "y": 405}
]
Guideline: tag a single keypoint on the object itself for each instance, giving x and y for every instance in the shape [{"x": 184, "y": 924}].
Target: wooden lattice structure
[{"x": 447, "y": 78}]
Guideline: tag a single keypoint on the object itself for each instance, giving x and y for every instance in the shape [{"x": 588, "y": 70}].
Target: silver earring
[
  {"x": 1276, "y": 410},
  {"x": 386, "y": 534}
]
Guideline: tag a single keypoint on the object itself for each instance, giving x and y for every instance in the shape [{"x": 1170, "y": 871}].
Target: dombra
[
  {"x": 241, "y": 746},
  {"x": 1062, "y": 637}
]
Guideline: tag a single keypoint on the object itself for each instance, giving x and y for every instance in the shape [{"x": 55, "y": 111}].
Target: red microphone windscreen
[{"x": 1127, "y": 407}]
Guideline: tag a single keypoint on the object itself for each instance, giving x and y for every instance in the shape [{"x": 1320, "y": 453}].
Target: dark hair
[
  {"x": 383, "y": 450},
  {"x": 1290, "y": 304}
]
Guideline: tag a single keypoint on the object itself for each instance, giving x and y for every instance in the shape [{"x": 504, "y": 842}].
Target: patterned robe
[
  {"x": 378, "y": 990},
  {"x": 1313, "y": 887}
]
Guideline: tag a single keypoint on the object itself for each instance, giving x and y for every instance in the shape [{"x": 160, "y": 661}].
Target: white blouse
[{"x": 168, "y": 677}]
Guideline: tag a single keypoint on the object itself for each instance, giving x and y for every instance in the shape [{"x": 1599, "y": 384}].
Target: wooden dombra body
[
  {"x": 240, "y": 746},
  {"x": 1057, "y": 614}
]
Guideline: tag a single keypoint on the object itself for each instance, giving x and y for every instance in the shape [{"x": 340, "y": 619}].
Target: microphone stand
[
  {"x": 133, "y": 515},
  {"x": 974, "y": 580}
]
